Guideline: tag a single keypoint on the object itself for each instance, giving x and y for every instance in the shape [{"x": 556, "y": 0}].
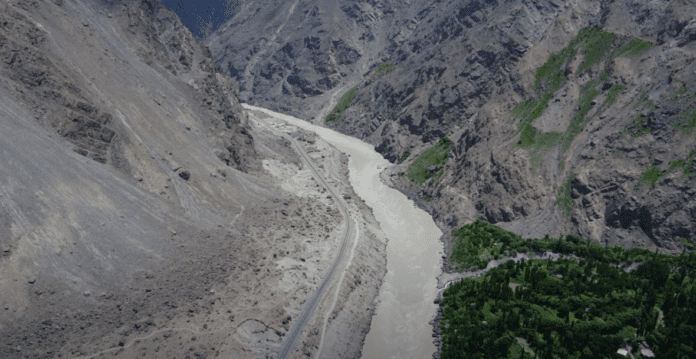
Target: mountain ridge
[{"x": 459, "y": 69}]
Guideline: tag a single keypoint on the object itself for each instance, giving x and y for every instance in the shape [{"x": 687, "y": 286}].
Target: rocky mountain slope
[
  {"x": 141, "y": 212},
  {"x": 596, "y": 139}
]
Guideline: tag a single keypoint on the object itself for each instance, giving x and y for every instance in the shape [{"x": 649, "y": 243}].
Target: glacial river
[{"x": 400, "y": 326}]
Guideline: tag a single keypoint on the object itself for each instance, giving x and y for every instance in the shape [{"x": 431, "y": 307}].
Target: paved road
[{"x": 300, "y": 322}]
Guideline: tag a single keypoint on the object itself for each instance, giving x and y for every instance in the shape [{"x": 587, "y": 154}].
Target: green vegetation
[
  {"x": 346, "y": 100},
  {"x": 686, "y": 165},
  {"x": 641, "y": 99},
  {"x": 568, "y": 308},
  {"x": 404, "y": 156},
  {"x": 645, "y": 102},
  {"x": 688, "y": 125},
  {"x": 401, "y": 173},
  {"x": 634, "y": 48},
  {"x": 551, "y": 76},
  {"x": 436, "y": 155},
  {"x": 479, "y": 239},
  {"x": 687, "y": 243},
  {"x": 538, "y": 143},
  {"x": 682, "y": 90},
  {"x": 576, "y": 124},
  {"x": 428, "y": 198},
  {"x": 385, "y": 67},
  {"x": 595, "y": 42},
  {"x": 613, "y": 92},
  {"x": 651, "y": 176},
  {"x": 564, "y": 200},
  {"x": 677, "y": 164},
  {"x": 595, "y": 45},
  {"x": 636, "y": 126},
  {"x": 529, "y": 111}
]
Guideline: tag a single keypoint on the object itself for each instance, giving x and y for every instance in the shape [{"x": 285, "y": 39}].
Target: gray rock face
[{"x": 459, "y": 68}]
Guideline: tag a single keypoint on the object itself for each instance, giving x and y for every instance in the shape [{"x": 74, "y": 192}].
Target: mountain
[
  {"x": 561, "y": 116},
  {"x": 142, "y": 212}
]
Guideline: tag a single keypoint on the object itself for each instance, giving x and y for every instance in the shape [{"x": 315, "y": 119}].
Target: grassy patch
[
  {"x": 436, "y": 155},
  {"x": 651, "y": 176},
  {"x": 576, "y": 124},
  {"x": 595, "y": 45},
  {"x": 551, "y": 76},
  {"x": 636, "y": 126},
  {"x": 686, "y": 165},
  {"x": 682, "y": 90},
  {"x": 541, "y": 142},
  {"x": 613, "y": 92},
  {"x": 564, "y": 200},
  {"x": 401, "y": 174},
  {"x": 641, "y": 99},
  {"x": 384, "y": 67},
  {"x": 644, "y": 102},
  {"x": 346, "y": 100},
  {"x": 529, "y": 111},
  {"x": 688, "y": 125},
  {"x": 595, "y": 42},
  {"x": 404, "y": 156},
  {"x": 677, "y": 164},
  {"x": 428, "y": 198},
  {"x": 634, "y": 48}
]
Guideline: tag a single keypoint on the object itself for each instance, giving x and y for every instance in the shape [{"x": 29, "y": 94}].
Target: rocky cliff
[{"x": 565, "y": 116}]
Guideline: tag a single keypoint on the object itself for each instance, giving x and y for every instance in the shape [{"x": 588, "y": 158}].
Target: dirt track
[{"x": 349, "y": 234}]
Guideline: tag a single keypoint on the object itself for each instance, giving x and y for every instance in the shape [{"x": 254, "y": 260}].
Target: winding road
[{"x": 299, "y": 324}]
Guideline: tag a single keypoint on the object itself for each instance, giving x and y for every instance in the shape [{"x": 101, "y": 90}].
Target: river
[{"x": 400, "y": 326}]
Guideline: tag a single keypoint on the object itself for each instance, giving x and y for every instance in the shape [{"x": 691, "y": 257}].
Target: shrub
[
  {"x": 613, "y": 92},
  {"x": 564, "y": 200},
  {"x": 651, "y": 176},
  {"x": 436, "y": 155},
  {"x": 346, "y": 100},
  {"x": 385, "y": 67},
  {"x": 404, "y": 156}
]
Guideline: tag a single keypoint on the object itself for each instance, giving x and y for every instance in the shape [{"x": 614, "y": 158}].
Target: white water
[{"x": 400, "y": 326}]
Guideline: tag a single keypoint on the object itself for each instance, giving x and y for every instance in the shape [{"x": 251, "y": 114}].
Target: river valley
[{"x": 405, "y": 305}]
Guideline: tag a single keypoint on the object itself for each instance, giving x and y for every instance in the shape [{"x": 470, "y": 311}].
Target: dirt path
[{"x": 306, "y": 314}]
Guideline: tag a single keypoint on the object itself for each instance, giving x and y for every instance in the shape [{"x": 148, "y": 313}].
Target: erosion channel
[{"x": 405, "y": 305}]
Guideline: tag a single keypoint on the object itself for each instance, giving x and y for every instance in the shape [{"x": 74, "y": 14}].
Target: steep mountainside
[
  {"x": 564, "y": 116},
  {"x": 142, "y": 213}
]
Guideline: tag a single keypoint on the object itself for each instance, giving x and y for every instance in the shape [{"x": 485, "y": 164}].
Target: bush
[
  {"x": 346, "y": 100},
  {"x": 436, "y": 155},
  {"x": 651, "y": 176}
]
